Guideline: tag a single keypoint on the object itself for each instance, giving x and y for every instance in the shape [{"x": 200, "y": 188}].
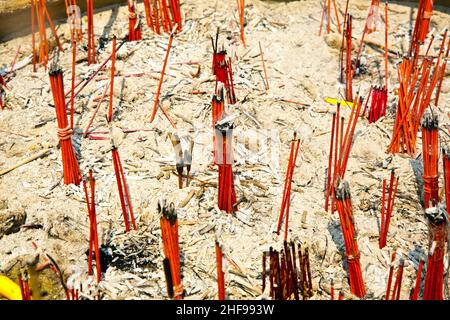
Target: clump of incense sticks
[
  {"x": 345, "y": 210},
  {"x": 222, "y": 69},
  {"x": 90, "y": 31},
  {"x": 386, "y": 209},
  {"x": 220, "y": 273},
  {"x": 224, "y": 160},
  {"x": 241, "y": 13},
  {"x": 158, "y": 92},
  {"x": 417, "y": 85},
  {"x": 398, "y": 280},
  {"x": 326, "y": 14},
  {"x": 286, "y": 202},
  {"x": 39, "y": 10},
  {"x": 169, "y": 234},
  {"x": 285, "y": 280},
  {"x": 163, "y": 14},
  {"x": 134, "y": 24},
  {"x": 437, "y": 235},
  {"x": 340, "y": 146},
  {"x": 378, "y": 104},
  {"x": 24, "y": 285},
  {"x": 182, "y": 158},
  {"x": 124, "y": 196},
  {"x": 93, "y": 232},
  {"x": 71, "y": 170},
  {"x": 430, "y": 154}
]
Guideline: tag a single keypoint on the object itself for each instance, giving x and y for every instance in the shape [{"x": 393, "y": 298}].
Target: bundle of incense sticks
[
  {"x": 39, "y": 9},
  {"x": 217, "y": 110},
  {"x": 24, "y": 285},
  {"x": 163, "y": 14},
  {"x": 421, "y": 27},
  {"x": 378, "y": 104},
  {"x": 70, "y": 165},
  {"x": 222, "y": 69},
  {"x": 90, "y": 31},
  {"x": 437, "y": 233},
  {"x": 169, "y": 234},
  {"x": 398, "y": 280},
  {"x": 341, "y": 144},
  {"x": 345, "y": 210},
  {"x": 93, "y": 232},
  {"x": 158, "y": 92},
  {"x": 124, "y": 196},
  {"x": 220, "y": 273},
  {"x": 285, "y": 280},
  {"x": 386, "y": 210},
  {"x": 414, "y": 95},
  {"x": 326, "y": 14},
  {"x": 241, "y": 13},
  {"x": 134, "y": 24},
  {"x": 224, "y": 160},
  {"x": 286, "y": 201},
  {"x": 430, "y": 154},
  {"x": 415, "y": 292}
]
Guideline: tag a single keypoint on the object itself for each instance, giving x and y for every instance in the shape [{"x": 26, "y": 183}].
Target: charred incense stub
[
  {"x": 342, "y": 190},
  {"x": 429, "y": 121}
]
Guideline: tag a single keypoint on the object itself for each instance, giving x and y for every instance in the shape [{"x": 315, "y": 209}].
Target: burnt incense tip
[
  {"x": 167, "y": 210},
  {"x": 342, "y": 190},
  {"x": 437, "y": 215},
  {"x": 55, "y": 68},
  {"x": 429, "y": 120}
]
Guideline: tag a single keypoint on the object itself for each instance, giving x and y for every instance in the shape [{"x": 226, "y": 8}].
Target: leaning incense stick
[
  {"x": 111, "y": 86},
  {"x": 158, "y": 92}
]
